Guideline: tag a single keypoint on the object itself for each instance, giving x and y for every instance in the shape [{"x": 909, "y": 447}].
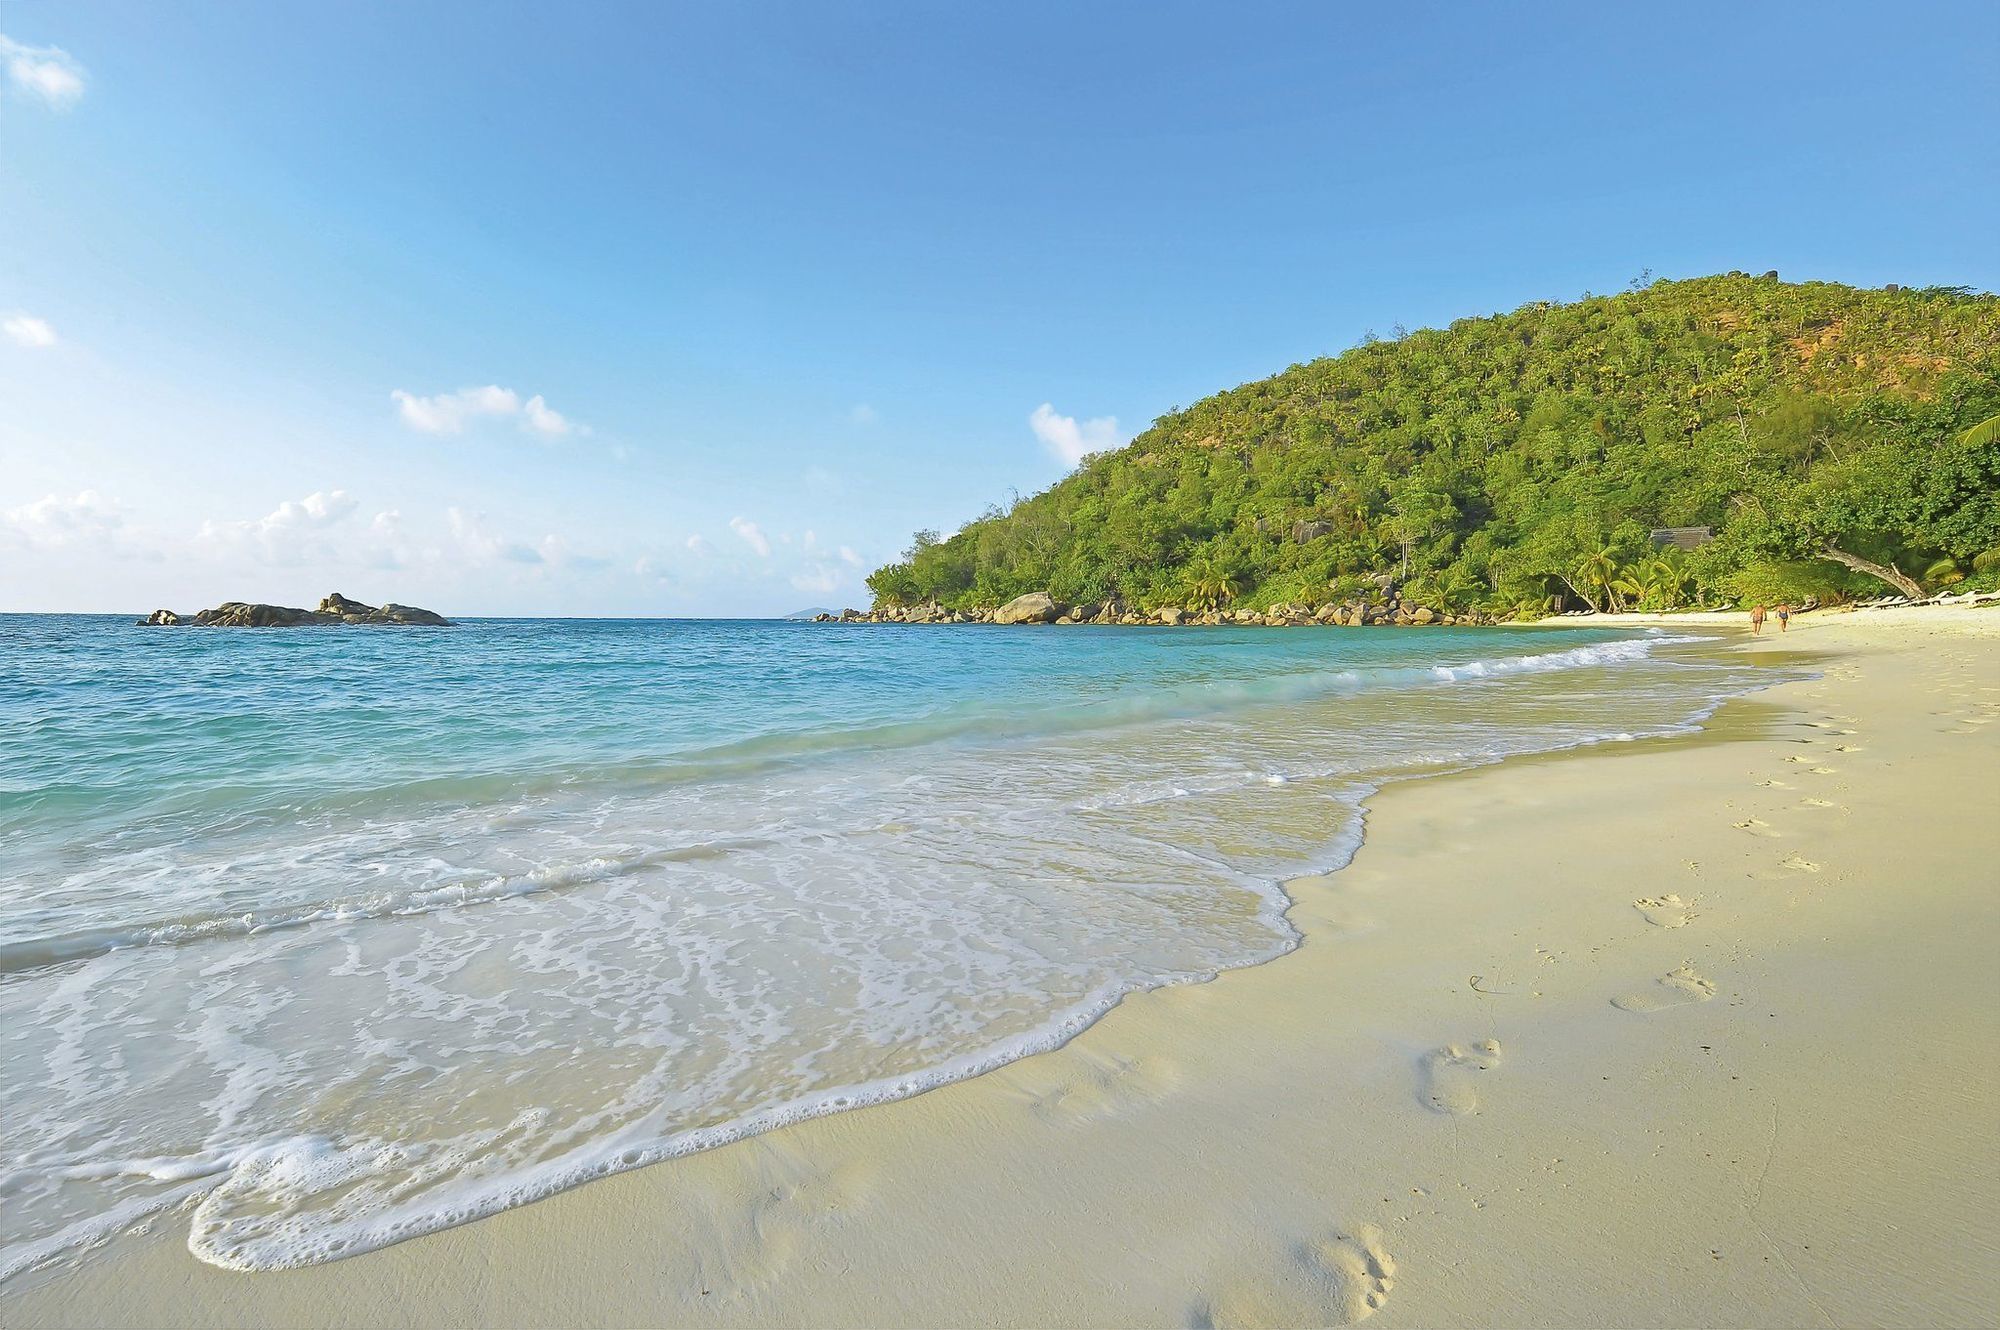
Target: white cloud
[
  {"x": 1070, "y": 440},
  {"x": 849, "y": 557},
  {"x": 701, "y": 547},
  {"x": 386, "y": 547},
  {"x": 55, "y": 522},
  {"x": 29, "y": 331},
  {"x": 752, "y": 536},
  {"x": 862, "y": 414},
  {"x": 289, "y": 534},
  {"x": 556, "y": 552},
  {"x": 652, "y": 570},
  {"x": 482, "y": 545},
  {"x": 817, "y": 577},
  {"x": 449, "y": 413},
  {"x": 49, "y": 74},
  {"x": 446, "y": 413},
  {"x": 542, "y": 420}
]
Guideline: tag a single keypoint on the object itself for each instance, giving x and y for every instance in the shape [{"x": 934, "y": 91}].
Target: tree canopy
[{"x": 1831, "y": 438}]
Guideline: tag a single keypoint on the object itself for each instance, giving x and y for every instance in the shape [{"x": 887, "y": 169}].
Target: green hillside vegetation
[{"x": 1832, "y": 438}]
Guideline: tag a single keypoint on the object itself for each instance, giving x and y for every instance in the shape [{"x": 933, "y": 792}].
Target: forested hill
[{"x": 1517, "y": 463}]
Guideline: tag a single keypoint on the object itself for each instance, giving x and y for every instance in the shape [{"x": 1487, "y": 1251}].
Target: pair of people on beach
[{"x": 1784, "y": 618}]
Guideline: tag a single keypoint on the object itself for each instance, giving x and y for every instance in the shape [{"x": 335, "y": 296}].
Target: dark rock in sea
[
  {"x": 353, "y": 611},
  {"x": 335, "y": 609}
]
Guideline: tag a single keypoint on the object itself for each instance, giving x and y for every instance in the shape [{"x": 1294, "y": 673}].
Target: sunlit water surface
[{"x": 319, "y": 939}]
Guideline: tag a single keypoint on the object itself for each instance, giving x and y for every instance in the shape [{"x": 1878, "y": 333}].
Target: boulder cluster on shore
[
  {"x": 1040, "y": 607},
  {"x": 335, "y": 609}
]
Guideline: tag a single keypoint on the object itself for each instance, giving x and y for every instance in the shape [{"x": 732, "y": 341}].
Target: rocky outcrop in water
[{"x": 335, "y": 609}]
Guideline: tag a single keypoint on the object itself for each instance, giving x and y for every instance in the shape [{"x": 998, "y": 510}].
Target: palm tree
[
  {"x": 1983, "y": 435},
  {"x": 1601, "y": 571},
  {"x": 1210, "y": 588},
  {"x": 1944, "y": 572},
  {"x": 1661, "y": 583}
]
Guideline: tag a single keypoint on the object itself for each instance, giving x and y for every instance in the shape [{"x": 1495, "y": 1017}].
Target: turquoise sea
[{"x": 312, "y": 940}]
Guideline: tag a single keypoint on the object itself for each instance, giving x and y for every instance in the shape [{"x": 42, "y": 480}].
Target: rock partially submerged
[
  {"x": 1387, "y": 608},
  {"x": 335, "y": 609}
]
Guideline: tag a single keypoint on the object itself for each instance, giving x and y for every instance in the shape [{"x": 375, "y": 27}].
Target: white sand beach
[{"x": 1682, "y": 1032}]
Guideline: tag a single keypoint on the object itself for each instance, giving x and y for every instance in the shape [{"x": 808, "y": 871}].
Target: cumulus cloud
[
  {"x": 386, "y": 546},
  {"x": 752, "y": 536},
  {"x": 55, "y": 521},
  {"x": 288, "y": 534},
  {"x": 450, "y": 413},
  {"x": 446, "y": 413},
  {"x": 47, "y": 74},
  {"x": 480, "y": 544},
  {"x": 541, "y": 419},
  {"x": 1070, "y": 440},
  {"x": 817, "y": 577},
  {"x": 849, "y": 557},
  {"x": 701, "y": 547},
  {"x": 26, "y": 330},
  {"x": 556, "y": 551}
]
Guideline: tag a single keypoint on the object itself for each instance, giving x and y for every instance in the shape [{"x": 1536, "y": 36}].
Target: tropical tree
[
  {"x": 1986, "y": 434},
  {"x": 1806, "y": 424},
  {"x": 1599, "y": 575},
  {"x": 1210, "y": 586},
  {"x": 1660, "y": 583}
]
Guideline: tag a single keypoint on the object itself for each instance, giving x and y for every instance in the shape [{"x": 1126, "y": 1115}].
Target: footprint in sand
[
  {"x": 1335, "y": 1280},
  {"x": 1818, "y": 803},
  {"x": 1100, "y": 1087},
  {"x": 1778, "y": 784},
  {"x": 1677, "y": 989},
  {"x": 1757, "y": 826},
  {"x": 1445, "y": 1079},
  {"x": 754, "y": 1235},
  {"x": 1668, "y": 911},
  {"x": 1800, "y": 864}
]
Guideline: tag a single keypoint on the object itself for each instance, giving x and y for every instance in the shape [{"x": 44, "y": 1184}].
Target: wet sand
[{"x": 1692, "y": 1032}]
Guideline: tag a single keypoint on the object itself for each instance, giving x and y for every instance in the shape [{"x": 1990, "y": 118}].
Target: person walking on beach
[
  {"x": 1784, "y": 617},
  {"x": 1756, "y": 620}
]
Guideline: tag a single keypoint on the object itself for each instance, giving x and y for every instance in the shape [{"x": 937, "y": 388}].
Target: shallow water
[{"x": 326, "y": 938}]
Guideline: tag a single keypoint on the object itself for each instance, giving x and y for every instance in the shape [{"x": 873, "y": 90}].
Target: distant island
[
  {"x": 1716, "y": 441},
  {"x": 813, "y": 613},
  {"x": 334, "y": 609}
]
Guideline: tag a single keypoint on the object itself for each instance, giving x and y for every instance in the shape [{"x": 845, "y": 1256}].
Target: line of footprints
[
  {"x": 1341, "y": 1278},
  {"x": 1446, "y": 1075}
]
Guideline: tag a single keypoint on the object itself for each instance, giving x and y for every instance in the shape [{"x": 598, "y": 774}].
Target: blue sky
[{"x": 667, "y": 310}]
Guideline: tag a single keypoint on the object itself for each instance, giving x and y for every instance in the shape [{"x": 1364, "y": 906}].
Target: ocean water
[{"x": 314, "y": 940}]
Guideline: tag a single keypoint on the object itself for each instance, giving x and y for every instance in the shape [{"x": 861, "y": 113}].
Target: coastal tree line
[{"x": 1835, "y": 441}]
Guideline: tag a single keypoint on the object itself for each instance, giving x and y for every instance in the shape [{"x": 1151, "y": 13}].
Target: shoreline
[
  {"x": 1331, "y": 614},
  {"x": 1270, "y": 1147}
]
